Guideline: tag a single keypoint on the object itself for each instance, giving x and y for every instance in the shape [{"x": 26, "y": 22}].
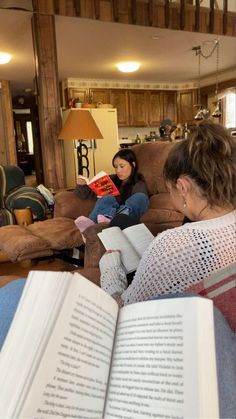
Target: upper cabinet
[
  {"x": 119, "y": 99},
  {"x": 185, "y": 101},
  {"x": 169, "y": 105},
  {"x": 99, "y": 95},
  {"x": 140, "y": 108},
  {"x": 162, "y": 105},
  {"x": 154, "y": 107}
]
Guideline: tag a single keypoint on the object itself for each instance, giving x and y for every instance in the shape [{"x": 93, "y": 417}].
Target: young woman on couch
[
  {"x": 133, "y": 199},
  {"x": 201, "y": 176}
]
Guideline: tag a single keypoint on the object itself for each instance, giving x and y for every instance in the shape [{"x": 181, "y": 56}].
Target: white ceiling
[{"x": 90, "y": 49}]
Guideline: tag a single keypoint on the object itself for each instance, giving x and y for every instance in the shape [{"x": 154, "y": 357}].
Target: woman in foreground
[{"x": 200, "y": 174}]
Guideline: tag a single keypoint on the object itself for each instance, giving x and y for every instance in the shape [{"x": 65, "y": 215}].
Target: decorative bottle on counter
[
  {"x": 186, "y": 131},
  {"x": 138, "y": 139}
]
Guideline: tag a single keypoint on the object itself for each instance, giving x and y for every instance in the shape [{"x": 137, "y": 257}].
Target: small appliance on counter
[{"x": 126, "y": 142}]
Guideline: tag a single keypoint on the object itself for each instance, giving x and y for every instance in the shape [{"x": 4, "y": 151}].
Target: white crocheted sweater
[{"x": 176, "y": 259}]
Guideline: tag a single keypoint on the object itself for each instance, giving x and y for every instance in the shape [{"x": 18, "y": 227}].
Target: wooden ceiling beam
[{"x": 183, "y": 15}]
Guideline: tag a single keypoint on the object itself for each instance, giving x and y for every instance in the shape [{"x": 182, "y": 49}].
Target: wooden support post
[
  {"x": 7, "y": 137},
  {"x": 44, "y": 40}
]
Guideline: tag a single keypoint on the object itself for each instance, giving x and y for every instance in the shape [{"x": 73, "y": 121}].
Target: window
[{"x": 230, "y": 110}]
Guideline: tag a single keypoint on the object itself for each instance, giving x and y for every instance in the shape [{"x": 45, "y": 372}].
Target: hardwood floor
[{"x": 10, "y": 271}]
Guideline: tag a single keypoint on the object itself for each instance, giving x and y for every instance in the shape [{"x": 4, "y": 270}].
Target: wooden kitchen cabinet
[
  {"x": 119, "y": 100},
  {"x": 138, "y": 108},
  {"x": 82, "y": 94},
  {"x": 86, "y": 95},
  {"x": 185, "y": 101},
  {"x": 154, "y": 108},
  {"x": 169, "y": 105},
  {"x": 99, "y": 95},
  {"x": 161, "y": 105},
  {"x": 141, "y": 108}
]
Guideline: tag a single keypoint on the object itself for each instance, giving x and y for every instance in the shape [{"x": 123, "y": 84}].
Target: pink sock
[
  {"x": 83, "y": 222},
  {"x": 102, "y": 219}
]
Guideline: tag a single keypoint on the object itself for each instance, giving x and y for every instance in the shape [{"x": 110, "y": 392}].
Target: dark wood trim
[
  {"x": 212, "y": 16},
  {"x": 225, "y": 16},
  {"x": 221, "y": 86},
  {"x": 133, "y": 12},
  {"x": 97, "y": 9},
  {"x": 182, "y": 15},
  {"x": 150, "y": 12},
  {"x": 77, "y": 7},
  {"x": 115, "y": 10},
  {"x": 197, "y": 16},
  {"x": 56, "y": 7},
  {"x": 167, "y": 14}
]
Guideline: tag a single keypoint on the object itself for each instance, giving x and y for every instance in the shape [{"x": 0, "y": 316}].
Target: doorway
[{"x": 27, "y": 137}]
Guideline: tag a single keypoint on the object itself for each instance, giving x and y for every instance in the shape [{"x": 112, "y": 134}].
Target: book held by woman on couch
[
  {"x": 131, "y": 241},
  {"x": 102, "y": 184}
]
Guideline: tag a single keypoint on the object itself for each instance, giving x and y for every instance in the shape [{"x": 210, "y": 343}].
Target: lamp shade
[{"x": 80, "y": 125}]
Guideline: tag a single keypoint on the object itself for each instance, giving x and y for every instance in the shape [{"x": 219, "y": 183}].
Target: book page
[
  {"x": 140, "y": 237},
  {"x": 70, "y": 378},
  {"x": 98, "y": 176},
  {"x": 113, "y": 238},
  {"x": 163, "y": 362}
]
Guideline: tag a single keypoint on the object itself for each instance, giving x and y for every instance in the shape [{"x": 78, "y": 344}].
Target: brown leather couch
[{"x": 160, "y": 215}]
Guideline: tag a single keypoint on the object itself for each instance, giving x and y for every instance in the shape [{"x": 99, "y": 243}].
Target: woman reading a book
[
  {"x": 200, "y": 174},
  {"x": 132, "y": 195}
]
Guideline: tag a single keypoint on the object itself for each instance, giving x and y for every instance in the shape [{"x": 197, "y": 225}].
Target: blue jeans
[{"x": 134, "y": 206}]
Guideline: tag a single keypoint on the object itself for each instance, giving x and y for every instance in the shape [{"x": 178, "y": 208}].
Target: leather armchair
[
  {"x": 14, "y": 194},
  {"x": 160, "y": 215}
]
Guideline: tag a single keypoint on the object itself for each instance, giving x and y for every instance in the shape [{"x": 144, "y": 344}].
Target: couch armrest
[
  {"x": 67, "y": 204},
  {"x": 94, "y": 248}
]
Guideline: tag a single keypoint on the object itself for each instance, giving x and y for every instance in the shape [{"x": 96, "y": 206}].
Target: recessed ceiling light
[
  {"x": 155, "y": 37},
  {"x": 5, "y": 58},
  {"x": 128, "y": 66}
]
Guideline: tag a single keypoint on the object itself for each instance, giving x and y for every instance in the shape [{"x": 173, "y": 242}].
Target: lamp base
[{"x": 83, "y": 161}]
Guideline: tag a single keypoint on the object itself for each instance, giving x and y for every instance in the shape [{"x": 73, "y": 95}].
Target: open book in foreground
[
  {"x": 102, "y": 185},
  {"x": 71, "y": 352},
  {"x": 132, "y": 242}
]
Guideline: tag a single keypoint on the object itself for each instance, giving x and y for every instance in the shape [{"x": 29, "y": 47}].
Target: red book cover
[{"x": 102, "y": 185}]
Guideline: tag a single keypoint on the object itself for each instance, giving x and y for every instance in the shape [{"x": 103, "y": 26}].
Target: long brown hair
[
  {"x": 208, "y": 157},
  {"x": 126, "y": 187}
]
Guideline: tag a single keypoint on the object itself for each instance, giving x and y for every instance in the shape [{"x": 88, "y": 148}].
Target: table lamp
[{"x": 80, "y": 125}]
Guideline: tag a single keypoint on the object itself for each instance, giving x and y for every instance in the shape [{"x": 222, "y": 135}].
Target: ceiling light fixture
[
  {"x": 5, "y": 57},
  {"x": 128, "y": 66}
]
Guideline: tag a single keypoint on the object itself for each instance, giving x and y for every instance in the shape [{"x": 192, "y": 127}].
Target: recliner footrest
[{"x": 39, "y": 239}]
